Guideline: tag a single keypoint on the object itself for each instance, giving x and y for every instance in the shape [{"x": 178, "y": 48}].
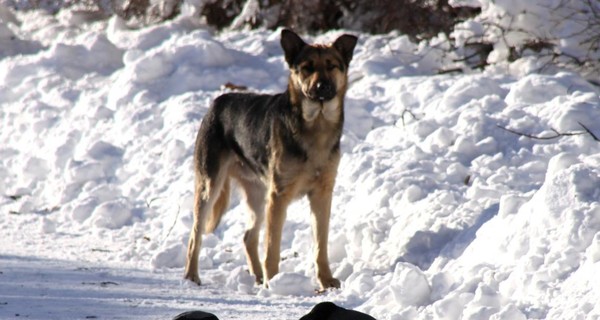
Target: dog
[{"x": 278, "y": 148}]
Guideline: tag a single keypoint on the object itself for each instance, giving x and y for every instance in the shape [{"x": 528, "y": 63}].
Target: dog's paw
[
  {"x": 327, "y": 283},
  {"x": 193, "y": 278}
]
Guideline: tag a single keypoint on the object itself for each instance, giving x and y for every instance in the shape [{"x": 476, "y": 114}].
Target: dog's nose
[
  {"x": 323, "y": 86},
  {"x": 324, "y": 90}
]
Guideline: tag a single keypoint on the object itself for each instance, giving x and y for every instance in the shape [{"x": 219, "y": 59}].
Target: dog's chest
[
  {"x": 320, "y": 141},
  {"x": 330, "y": 110},
  {"x": 313, "y": 152}
]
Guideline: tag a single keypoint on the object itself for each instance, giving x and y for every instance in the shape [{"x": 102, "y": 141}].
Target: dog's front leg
[
  {"x": 320, "y": 205},
  {"x": 195, "y": 241},
  {"x": 276, "y": 212}
]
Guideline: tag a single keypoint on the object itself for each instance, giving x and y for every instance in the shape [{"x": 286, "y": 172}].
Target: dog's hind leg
[
  {"x": 255, "y": 192},
  {"x": 219, "y": 208},
  {"x": 206, "y": 193}
]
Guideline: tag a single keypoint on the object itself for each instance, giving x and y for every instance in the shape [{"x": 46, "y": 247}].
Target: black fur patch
[{"x": 243, "y": 123}]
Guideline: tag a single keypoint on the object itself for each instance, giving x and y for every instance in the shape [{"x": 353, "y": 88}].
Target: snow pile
[
  {"x": 471, "y": 204},
  {"x": 458, "y": 196},
  {"x": 520, "y": 257},
  {"x": 537, "y": 33},
  {"x": 10, "y": 43},
  {"x": 290, "y": 283}
]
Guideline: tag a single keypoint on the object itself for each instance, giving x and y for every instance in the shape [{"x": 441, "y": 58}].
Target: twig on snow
[
  {"x": 556, "y": 134},
  {"x": 589, "y": 131},
  {"x": 149, "y": 203},
  {"x": 173, "y": 225},
  {"x": 407, "y": 111}
]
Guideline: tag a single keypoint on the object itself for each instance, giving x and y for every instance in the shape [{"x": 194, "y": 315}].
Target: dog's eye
[
  {"x": 330, "y": 67},
  {"x": 308, "y": 68}
]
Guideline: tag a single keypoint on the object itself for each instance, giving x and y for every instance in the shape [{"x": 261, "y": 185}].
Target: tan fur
[{"x": 219, "y": 208}]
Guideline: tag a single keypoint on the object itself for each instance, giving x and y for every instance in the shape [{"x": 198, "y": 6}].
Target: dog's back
[{"x": 238, "y": 123}]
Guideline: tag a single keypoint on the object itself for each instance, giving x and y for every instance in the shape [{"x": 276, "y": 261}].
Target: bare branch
[
  {"x": 407, "y": 111},
  {"x": 149, "y": 203},
  {"x": 551, "y": 137},
  {"x": 173, "y": 225},
  {"x": 589, "y": 131}
]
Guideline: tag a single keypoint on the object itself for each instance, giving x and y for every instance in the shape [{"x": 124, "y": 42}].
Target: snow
[
  {"x": 567, "y": 25},
  {"x": 438, "y": 212}
]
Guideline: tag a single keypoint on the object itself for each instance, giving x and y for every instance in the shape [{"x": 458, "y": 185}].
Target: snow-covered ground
[{"x": 441, "y": 209}]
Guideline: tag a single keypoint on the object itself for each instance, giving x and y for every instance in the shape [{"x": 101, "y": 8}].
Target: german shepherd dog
[{"x": 278, "y": 148}]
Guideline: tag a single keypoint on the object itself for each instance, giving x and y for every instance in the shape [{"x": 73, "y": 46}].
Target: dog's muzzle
[{"x": 323, "y": 90}]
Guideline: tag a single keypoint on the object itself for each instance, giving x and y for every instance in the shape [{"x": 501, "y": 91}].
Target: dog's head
[{"x": 320, "y": 72}]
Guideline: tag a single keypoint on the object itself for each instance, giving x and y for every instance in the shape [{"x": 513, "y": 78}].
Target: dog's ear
[
  {"x": 292, "y": 44},
  {"x": 345, "y": 46}
]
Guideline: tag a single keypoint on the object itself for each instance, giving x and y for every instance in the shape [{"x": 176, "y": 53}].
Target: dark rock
[
  {"x": 329, "y": 311},
  {"x": 196, "y": 315}
]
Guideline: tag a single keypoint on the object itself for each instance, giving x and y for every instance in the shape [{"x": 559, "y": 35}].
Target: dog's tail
[{"x": 221, "y": 205}]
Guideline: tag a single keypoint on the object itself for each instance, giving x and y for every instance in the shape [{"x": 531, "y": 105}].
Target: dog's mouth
[
  {"x": 322, "y": 91},
  {"x": 321, "y": 98}
]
